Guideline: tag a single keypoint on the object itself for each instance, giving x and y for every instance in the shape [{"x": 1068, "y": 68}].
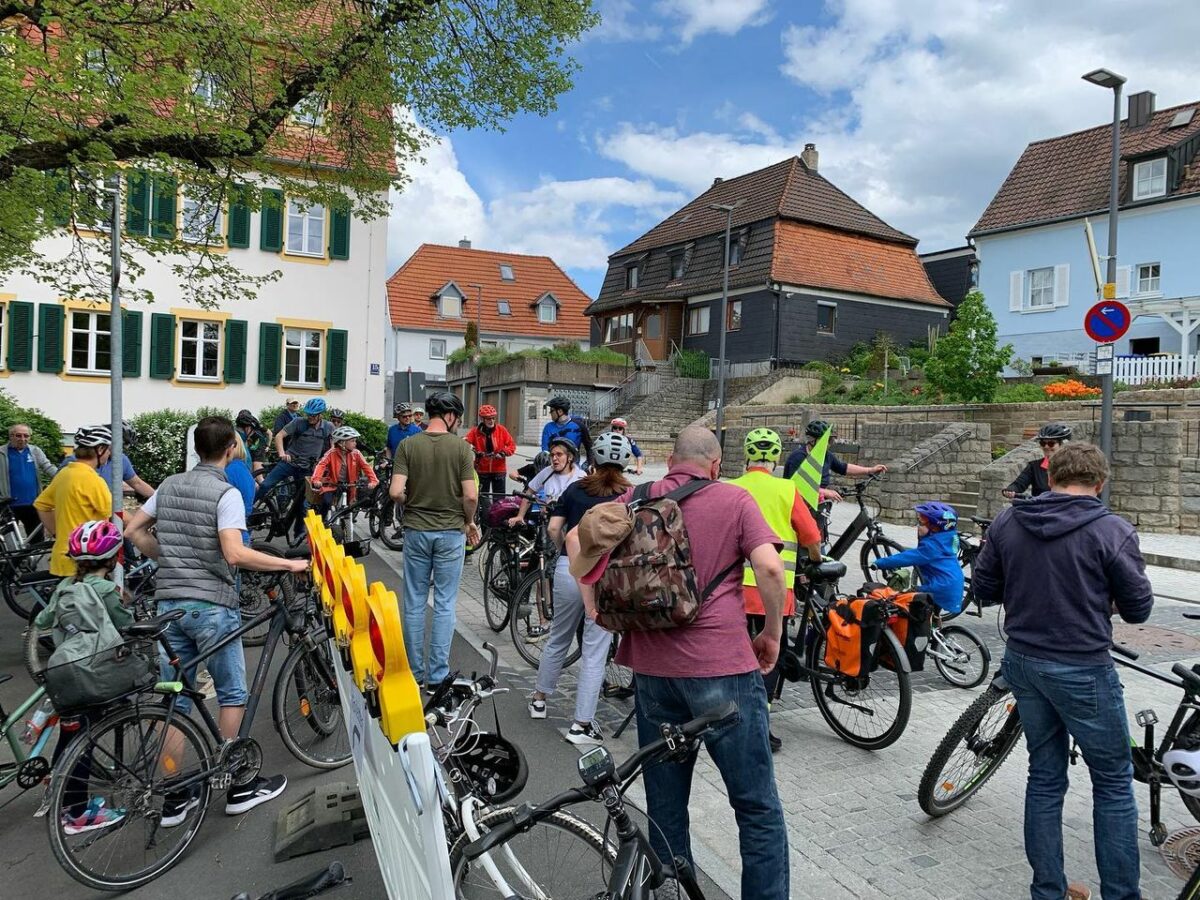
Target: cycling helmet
[
  {"x": 336, "y": 413},
  {"x": 612, "y": 449},
  {"x": 1183, "y": 768},
  {"x": 559, "y": 402},
  {"x": 541, "y": 460},
  {"x": 444, "y": 402},
  {"x": 401, "y": 408},
  {"x": 487, "y": 411},
  {"x": 816, "y": 428},
  {"x": 567, "y": 444},
  {"x": 345, "y": 433},
  {"x": 96, "y": 539},
  {"x": 128, "y": 435},
  {"x": 763, "y": 444},
  {"x": 1054, "y": 431},
  {"x": 941, "y": 516},
  {"x": 494, "y": 764},
  {"x": 246, "y": 419},
  {"x": 94, "y": 436},
  {"x": 618, "y": 423},
  {"x": 314, "y": 407}
]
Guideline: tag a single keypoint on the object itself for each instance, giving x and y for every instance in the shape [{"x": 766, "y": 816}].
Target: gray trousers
[{"x": 568, "y": 613}]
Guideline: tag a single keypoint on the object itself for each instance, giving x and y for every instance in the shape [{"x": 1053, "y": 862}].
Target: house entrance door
[{"x": 654, "y": 335}]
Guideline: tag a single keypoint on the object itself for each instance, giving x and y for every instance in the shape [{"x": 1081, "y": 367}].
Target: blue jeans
[
  {"x": 743, "y": 757},
  {"x": 431, "y": 558},
  {"x": 202, "y": 626},
  {"x": 278, "y": 473},
  {"x": 1058, "y": 702}
]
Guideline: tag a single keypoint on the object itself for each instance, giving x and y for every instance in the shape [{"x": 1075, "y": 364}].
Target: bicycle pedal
[
  {"x": 1146, "y": 717},
  {"x": 221, "y": 781}
]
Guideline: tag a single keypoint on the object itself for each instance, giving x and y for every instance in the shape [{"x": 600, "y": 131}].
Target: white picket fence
[{"x": 1166, "y": 367}]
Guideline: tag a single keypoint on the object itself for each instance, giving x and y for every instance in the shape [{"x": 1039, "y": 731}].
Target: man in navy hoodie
[{"x": 1063, "y": 564}]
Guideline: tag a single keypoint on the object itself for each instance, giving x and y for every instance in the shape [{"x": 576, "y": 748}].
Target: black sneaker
[
  {"x": 776, "y": 743},
  {"x": 585, "y": 735},
  {"x": 176, "y": 807},
  {"x": 260, "y": 790}
]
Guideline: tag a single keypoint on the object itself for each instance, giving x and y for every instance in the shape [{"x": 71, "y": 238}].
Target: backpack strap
[{"x": 736, "y": 565}]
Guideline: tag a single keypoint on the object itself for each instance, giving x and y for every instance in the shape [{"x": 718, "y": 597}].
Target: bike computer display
[{"x": 596, "y": 766}]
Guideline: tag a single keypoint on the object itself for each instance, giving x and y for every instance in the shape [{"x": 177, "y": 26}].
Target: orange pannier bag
[
  {"x": 910, "y": 618},
  {"x": 853, "y": 627}
]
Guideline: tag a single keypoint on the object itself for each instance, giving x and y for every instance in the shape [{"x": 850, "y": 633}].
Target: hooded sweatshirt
[
  {"x": 1058, "y": 563},
  {"x": 936, "y": 559}
]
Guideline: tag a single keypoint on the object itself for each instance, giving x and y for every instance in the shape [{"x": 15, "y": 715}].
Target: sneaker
[
  {"x": 537, "y": 708},
  {"x": 94, "y": 817},
  {"x": 585, "y": 735},
  {"x": 204, "y": 683},
  {"x": 536, "y": 633},
  {"x": 1077, "y": 891},
  {"x": 176, "y": 807},
  {"x": 260, "y": 790},
  {"x": 776, "y": 743}
]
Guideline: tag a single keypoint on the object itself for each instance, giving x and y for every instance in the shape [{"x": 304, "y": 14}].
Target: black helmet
[
  {"x": 541, "y": 460},
  {"x": 444, "y": 402},
  {"x": 1054, "y": 431},
  {"x": 128, "y": 435},
  {"x": 559, "y": 402},
  {"x": 401, "y": 408},
  {"x": 816, "y": 428},
  {"x": 567, "y": 444},
  {"x": 246, "y": 419}
]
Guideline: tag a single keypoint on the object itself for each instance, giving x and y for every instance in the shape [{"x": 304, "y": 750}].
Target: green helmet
[{"x": 763, "y": 444}]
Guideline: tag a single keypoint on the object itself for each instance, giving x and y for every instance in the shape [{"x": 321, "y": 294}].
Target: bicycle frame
[
  {"x": 10, "y": 726},
  {"x": 863, "y": 522}
]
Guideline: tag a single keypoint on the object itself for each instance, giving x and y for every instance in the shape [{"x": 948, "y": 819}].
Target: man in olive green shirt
[{"x": 433, "y": 475}]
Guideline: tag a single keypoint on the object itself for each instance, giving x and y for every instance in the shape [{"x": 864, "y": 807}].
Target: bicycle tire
[
  {"x": 584, "y": 873},
  {"x": 832, "y": 692},
  {"x": 498, "y": 569},
  {"x": 523, "y": 614},
  {"x": 265, "y": 527},
  {"x": 961, "y": 673},
  {"x": 873, "y": 550},
  {"x": 140, "y": 796},
  {"x": 28, "y": 598},
  {"x": 391, "y": 525},
  {"x": 305, "y": 705},
  {"x": 987, "y": 731},
  {"x": 258, "y": 592}
]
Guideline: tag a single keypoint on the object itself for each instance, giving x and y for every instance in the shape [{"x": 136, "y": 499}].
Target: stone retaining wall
[
  {"x": 1189, "y": 496},
  {"x": 926, "y": 461}
]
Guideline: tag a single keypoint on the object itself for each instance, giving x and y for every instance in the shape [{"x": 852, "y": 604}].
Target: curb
[{"x": 1183, "y": 563}]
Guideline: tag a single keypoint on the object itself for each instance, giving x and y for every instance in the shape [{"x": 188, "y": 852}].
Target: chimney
[
  {"x": 717, "y": 180},
  {"x": 1141, "y": 108},
  {"x": 809, "y": 157},
  {"x": 464, "y": 244}
]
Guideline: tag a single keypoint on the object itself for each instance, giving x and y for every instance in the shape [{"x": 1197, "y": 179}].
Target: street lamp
[
  {"x": 478, "y": 345},
  {"x": 728, "y": 209},
  {"x": 1111, "y": 80}
]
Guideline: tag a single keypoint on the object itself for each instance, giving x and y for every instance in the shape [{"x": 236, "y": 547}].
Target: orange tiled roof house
[{"x": 812, "y": 272}]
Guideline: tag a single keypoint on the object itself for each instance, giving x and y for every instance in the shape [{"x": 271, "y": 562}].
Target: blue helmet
[
  {"x": 941, "y": 516},
  {"x": 314, "y": 407}
]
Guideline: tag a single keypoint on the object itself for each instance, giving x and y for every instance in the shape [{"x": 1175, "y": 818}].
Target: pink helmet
[{"x": 94, "y": 540}]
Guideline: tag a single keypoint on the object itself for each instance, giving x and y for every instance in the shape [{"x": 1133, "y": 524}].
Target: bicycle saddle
[
  {"x": 149, "y": 628},
  {"x": 826, "y": 571}
]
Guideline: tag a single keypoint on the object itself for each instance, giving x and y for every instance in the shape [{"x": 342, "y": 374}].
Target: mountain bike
[
  {"x": 278, "y": 511},
  {"x": 343, "y": 515},
  {"x": 502, "y": 566},
  {"x": 624, "y": 869},
  {"x": 386, "y": 517},
  {"x": 532, "y": 604},
  {"x": 876, "y": 544}
]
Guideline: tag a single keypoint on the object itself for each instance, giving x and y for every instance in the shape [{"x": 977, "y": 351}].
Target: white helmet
[
  {"x": 612, "y": 449},
  {"x": 345, "y": 433},
  {"x": 1183, "y": 768}
]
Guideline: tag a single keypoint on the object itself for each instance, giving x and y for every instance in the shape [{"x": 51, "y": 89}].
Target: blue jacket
[
  {"x": 573, "y": 430},
  {"x": 832, "y": 462},
  {"x": 1059, "y": 562},
  {"x": 936, "y": 559},
  {"x": 399, "y": 432}
]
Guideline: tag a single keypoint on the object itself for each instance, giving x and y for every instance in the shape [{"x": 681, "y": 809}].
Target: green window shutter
[
  {"x": 339, "y": 234},
  {"x": 20, "y": 336},
  {"x": 270, "y": 343},
  {"x": 50, "y": 337},
  {"x": 235, "y": 351},
  {"x": 239, "y": 218},
  {"x": 131, "y": 343},
  {"x": 60, "y": 214},
  {"x": 162, "y": 345},
  {"x": 163, "y": 224},
  {"x": 335, "y": 358},
  {"x": 270, "y": 235},
  {"x": 137, "y": 203}
]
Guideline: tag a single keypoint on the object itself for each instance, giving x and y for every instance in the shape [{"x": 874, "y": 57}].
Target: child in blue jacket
[{"x": 935, "y": 556}]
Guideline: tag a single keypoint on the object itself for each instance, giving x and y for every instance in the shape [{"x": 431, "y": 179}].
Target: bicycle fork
[{"x": 469, "y": 807}]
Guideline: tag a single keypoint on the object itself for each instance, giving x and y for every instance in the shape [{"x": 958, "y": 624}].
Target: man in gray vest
[{"x": 196, "y": 567}]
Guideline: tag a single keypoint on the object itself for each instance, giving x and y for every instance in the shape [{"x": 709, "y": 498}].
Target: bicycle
[
  {"x": 532, "y": 606},
  {"x": 28, "y": 768},
  {"x": 278, "y": 511},
  {"x": 502, "y": 567},
  {"x": 876, "y": 544},
  {"x": 122, "y": 752},
  {"x": 982, "y": 738},
  {"x": 342, "y": 518},
  {"x": 385, "y": 516},
  {"x": 635, "y": 871}
]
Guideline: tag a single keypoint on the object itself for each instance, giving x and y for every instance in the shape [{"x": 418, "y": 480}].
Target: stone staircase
[
  {"x": 655, "y": 419},
  {"x": 966, "y": 503}
]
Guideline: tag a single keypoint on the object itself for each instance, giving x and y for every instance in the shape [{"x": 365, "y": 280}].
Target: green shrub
[
  {"x": 691, "y": 364},
  {"x": 373, "y": 431},
  {"x": 998, "y": 450},
  {"x": 46, "y": 433},
  {"x": 818, "y": 365},
  {"x": 567, "y": 351},
  {"x": 966, "y": 363},
  {"x": 160, "y": 449},
  {"x": 1019, "y": 393}
]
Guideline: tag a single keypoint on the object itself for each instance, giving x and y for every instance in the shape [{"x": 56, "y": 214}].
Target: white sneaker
[
  {"x": 585, "y": 735},
  {"x": 537, "y": 708}
]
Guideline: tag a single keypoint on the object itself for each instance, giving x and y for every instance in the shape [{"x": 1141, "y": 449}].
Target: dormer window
[
  {"x": 449, "y": 302},
  {"x": 547, "y": 311},
  {"x": 506, "y": 273},
  {"x": 1150, "y": 178},
  {"x": 677, "y": 265},
  {"x": 631, "y": 278}
]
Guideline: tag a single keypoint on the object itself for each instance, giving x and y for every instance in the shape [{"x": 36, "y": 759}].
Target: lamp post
[
  {"x": 728, "y": 209},
  {"x": 116, "y": 362},
  {"x": 478, "y": 345},
  {"x": 1111, "y": 80}
]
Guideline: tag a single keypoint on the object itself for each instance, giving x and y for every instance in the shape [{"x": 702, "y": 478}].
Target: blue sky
[{"x": 918, "y": 108}]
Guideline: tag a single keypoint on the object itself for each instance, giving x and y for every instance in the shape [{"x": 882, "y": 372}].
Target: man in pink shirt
[{"x": 686, "y": 672}]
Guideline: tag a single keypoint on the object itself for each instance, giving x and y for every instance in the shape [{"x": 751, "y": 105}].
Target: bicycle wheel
[
  {"x": 119, "y": 768},
  {"x": 259, "y": 590},
  {"x": 959, "y": 656},
  {"x": 618, "y": 679},
  {"x": 306, "y": 707},
  {"x": 971, "y": 752},
  {"x": 874, "y": 550},
  {"x": 870, "y": 713},
  {"x": 500, "y": 567},
  {"x": 561, "y": 856},
  {"x": 29, "y": 592},
  {"x": 265, "y": 516},
  {"x": 529, "y": 631},
  {"x": 391, "y": 525}
]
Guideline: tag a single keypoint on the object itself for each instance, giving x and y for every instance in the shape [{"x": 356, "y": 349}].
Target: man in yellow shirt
[{"x": 76, "y": 495}]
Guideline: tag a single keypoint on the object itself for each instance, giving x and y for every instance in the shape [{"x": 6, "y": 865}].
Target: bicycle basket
[
  {"x": 501, "y": 511},
  {"x": 101, "y": 677}
]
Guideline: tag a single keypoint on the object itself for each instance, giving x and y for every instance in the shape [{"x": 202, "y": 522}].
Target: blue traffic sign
[{"x": 1107, "y": 321}]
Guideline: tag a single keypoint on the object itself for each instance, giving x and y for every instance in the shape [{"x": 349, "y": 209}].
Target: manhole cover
[
  {"x": 1153, "y": 639},
  {"x": 1181, "y": 852}
]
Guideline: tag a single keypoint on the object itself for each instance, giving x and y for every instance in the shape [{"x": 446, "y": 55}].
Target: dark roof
[
  {"x": 1068, "y": 176},
  {"x": 950, "y": 272},
  {"x": 787, "y": 189}
]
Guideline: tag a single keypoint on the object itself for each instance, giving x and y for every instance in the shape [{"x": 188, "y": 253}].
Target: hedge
[{"x": 46, "y": 433}]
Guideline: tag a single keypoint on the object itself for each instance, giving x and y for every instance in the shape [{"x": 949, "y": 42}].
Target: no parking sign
[{"x": 1107, "y": 321}]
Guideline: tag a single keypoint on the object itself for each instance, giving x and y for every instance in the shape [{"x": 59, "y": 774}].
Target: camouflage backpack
[{"x": 649, "y": 583}]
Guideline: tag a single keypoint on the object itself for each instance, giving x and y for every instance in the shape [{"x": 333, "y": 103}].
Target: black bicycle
[
  {"x": 875, "y": 546},
  {"x": 279, "y": 510},
  {"x": 386, "y": 516},
  {"x": 532, "y": 606}
]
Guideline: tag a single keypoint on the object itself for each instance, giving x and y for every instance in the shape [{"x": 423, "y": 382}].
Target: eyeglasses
[{"x": 1048, "y": 443}]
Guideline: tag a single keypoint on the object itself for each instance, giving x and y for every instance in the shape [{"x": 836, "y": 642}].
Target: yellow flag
[{"x": 808, "y": 477}]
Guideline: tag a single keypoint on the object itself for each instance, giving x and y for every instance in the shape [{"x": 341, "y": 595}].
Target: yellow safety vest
[{"x": 775, "y": 498}]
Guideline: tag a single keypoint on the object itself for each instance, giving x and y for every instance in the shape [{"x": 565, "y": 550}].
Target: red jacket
[
  {"x": 502, "y": 442},
  {"x": 338, "y": 465}
]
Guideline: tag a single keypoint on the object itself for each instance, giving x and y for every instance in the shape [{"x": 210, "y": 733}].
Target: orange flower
[{"x": 1071, "y": 389}]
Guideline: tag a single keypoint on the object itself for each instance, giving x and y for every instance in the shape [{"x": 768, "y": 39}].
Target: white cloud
[
  {"x": 618, "y": 22},
  {"x": 727, "y": 17}
]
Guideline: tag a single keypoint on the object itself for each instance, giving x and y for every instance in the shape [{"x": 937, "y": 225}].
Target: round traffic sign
[{"x": 1107, "y": 321}]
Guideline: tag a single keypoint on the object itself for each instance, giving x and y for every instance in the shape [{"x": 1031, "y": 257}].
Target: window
[
  {"x": 735, "y": 250},
  {"x": 733, "y": 321},
  {"x": 302, "y": 357},
  {"x": 1150, "y": 178},
  {"x": 310, "y": 111},
  {"x": 697, "y": 322},
  {"x": 1041, "y": 288},
  {"x": 547, "y": 311},
  {"x": 676, "y": 265},
  {"x": 450, "y": 306},
  {"x": 506, "y": 273},
  {"x": 437, "y": 348},
  {"x": 503, "y": 307},
  {"x": 204, "y": 88},
  {"x": 96, "y": 204},
  {"x": 1148, "y": 278},
  {"x": 826, "y": 318},
  {"x": 305, "y": 229},
  {"x": 88, "y": 343},
  {"x": 203, "y": 222},
  {"x": 620, "y": 328},
  {"x": 631, "y": 278},
  {"x": 1144, "y": 346},
  {"x": 200, "y": 350}
]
